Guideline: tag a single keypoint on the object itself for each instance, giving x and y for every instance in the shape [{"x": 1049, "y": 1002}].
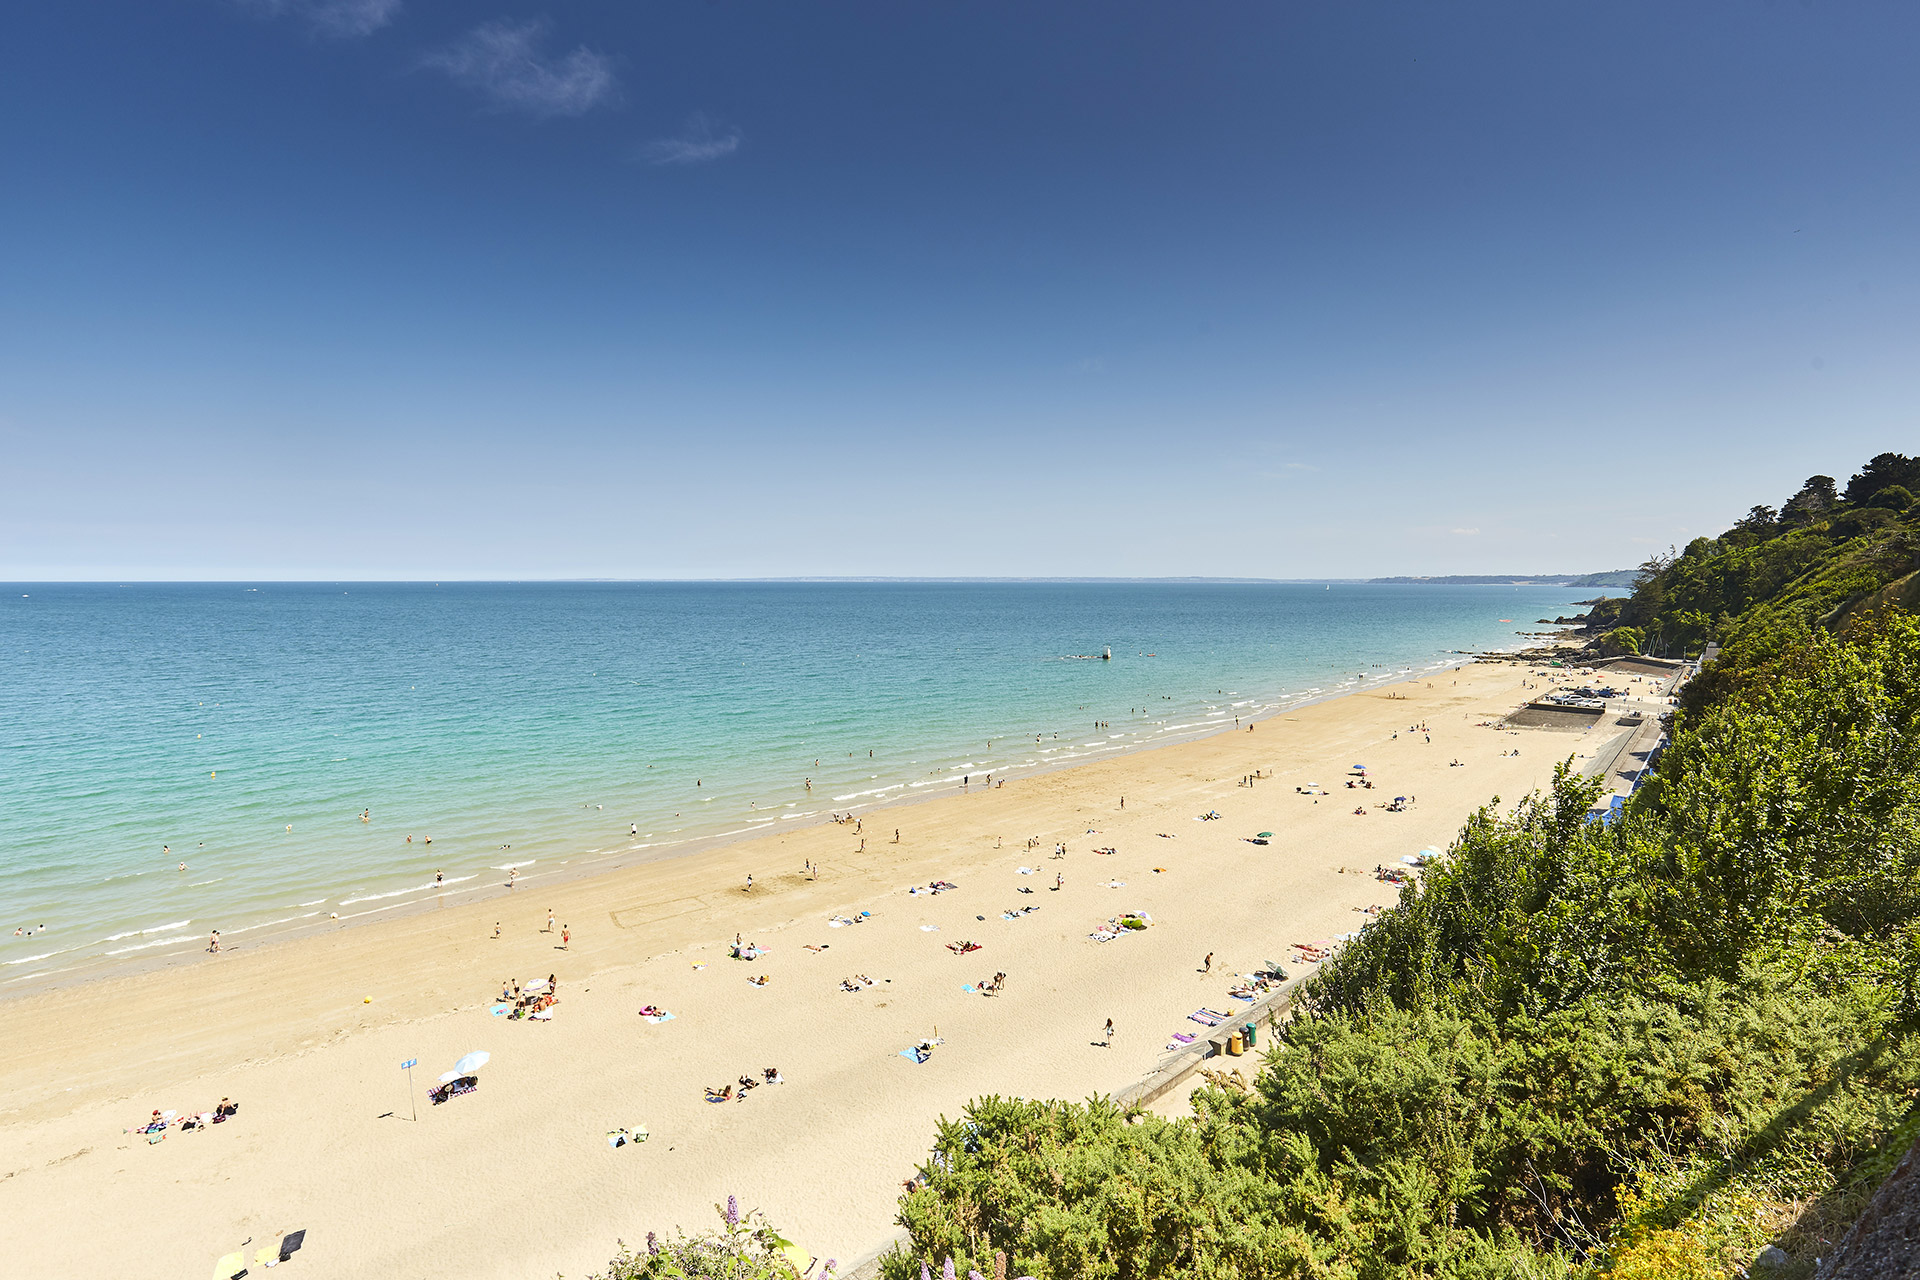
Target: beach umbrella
[
  {"x": 448, "y": 1077},
  {"x": 472, "y": 1062}
]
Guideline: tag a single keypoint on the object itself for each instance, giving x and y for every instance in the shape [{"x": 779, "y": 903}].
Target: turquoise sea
[{"x": 243, "y": 729}]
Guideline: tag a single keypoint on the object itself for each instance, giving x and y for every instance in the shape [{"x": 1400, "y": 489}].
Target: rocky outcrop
[{"x": 1884, "y": 1243}]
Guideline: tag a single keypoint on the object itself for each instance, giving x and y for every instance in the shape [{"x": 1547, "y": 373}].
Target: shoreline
[
  {"x": 592, "y": 864},
  {"x": 308, "y": 1034}
]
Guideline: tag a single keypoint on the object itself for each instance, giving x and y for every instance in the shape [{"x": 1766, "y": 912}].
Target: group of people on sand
[
  {"x": 856, "y": 983},
  {"x": 155, "y": 1128},
  {"x": 535, "y": 998},
  {"x": 727, "y": 1093}
]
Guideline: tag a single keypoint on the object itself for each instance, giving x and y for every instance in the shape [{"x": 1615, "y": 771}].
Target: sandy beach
[{"x": 517, "y": 1178}]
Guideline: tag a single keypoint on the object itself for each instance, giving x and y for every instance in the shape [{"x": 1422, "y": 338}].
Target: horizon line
[{"x": 1517, "y": 579}]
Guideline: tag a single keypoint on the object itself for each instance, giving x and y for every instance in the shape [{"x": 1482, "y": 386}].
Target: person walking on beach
[
  {"x": 1107, "y": 1043},
  {"x": 513, "y": 873},
  {"x": 566, "y": 939},
  {"x": 213, "y": 943},
  {"x": 749, "y": 888},
  {"x": 496, "y": 928},
  {"x": 1207, "y": 965},
  {"x": 549, "y": 919},
  {"x": 1059, "y": 880}
]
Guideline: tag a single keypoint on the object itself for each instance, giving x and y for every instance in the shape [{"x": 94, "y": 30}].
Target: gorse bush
[{"x": 743, "y": 1247}]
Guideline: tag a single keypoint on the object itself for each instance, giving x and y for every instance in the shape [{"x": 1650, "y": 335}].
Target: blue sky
[{"x": 629, "y": 288}]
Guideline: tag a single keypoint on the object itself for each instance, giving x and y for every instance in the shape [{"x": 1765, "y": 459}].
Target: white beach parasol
[{"x": 472, "y": 1062}]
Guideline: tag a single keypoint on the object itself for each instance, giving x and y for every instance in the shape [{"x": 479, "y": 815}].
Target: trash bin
[
  {"x": 1235, "y": 1046},
  {"x": 1251, "y": 1033}
]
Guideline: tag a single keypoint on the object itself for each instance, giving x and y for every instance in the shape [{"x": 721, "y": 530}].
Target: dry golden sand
[{"x": 517, "y": 1180}]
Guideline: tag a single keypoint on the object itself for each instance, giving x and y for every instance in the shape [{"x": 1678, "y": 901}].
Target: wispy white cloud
[
  {"x": 1468, "y": 533},
  {"x": 342, "y": 18},
  {"x": 702, "y": 141},
  {"x": 1301, "y": 466},
  {"x": 504, "y": 61}
]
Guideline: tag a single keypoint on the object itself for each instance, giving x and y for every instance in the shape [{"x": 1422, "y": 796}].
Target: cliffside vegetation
[
  {"x": 1824, "y": 557},
  {"x": 1642, "y": 1049}
]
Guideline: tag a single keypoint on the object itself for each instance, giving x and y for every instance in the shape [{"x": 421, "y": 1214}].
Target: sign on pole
[{"x": 413, "y": 1106}]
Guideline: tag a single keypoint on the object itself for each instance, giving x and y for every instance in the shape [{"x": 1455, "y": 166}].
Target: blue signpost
[{"x": 408, "y": 1067}]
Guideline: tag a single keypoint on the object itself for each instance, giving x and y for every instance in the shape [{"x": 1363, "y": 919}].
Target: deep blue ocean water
[{"x": 244, "y": 729}]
